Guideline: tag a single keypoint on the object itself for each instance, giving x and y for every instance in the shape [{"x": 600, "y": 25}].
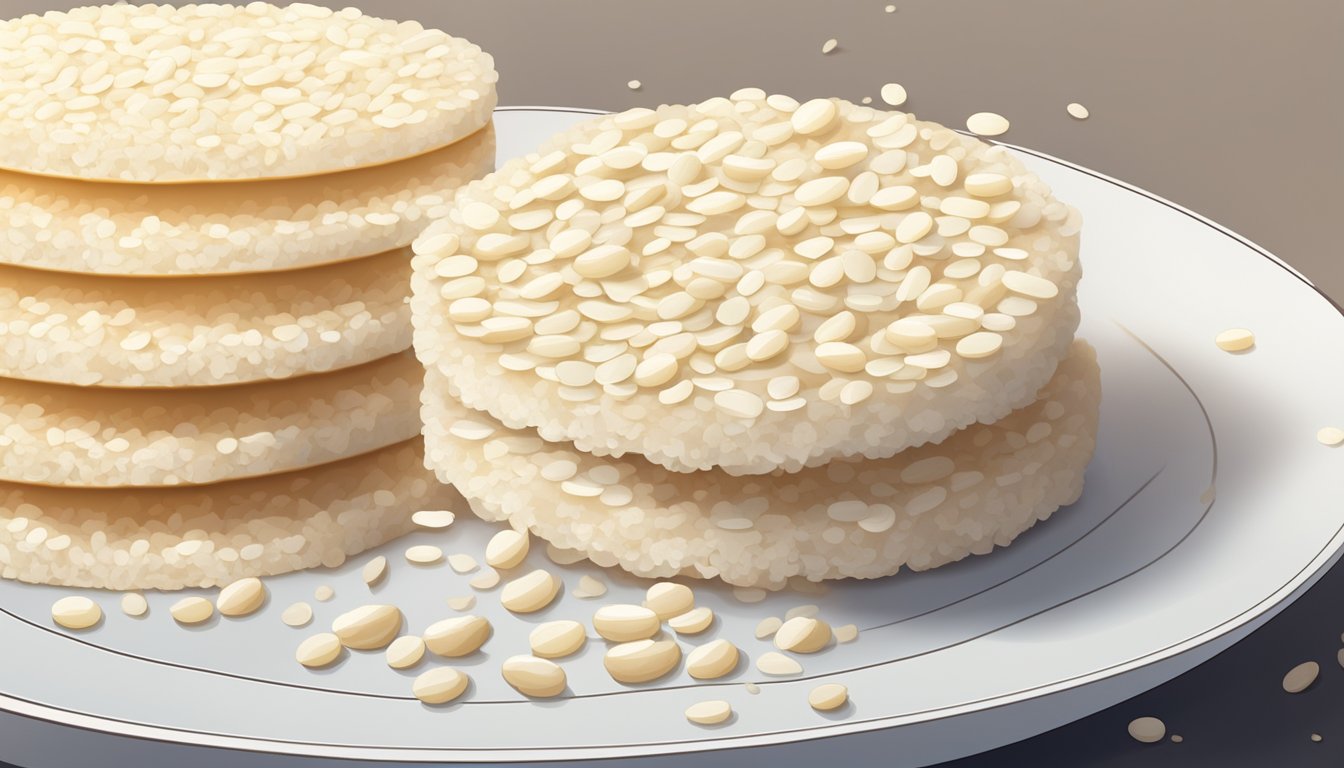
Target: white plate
[{"x": 1144, "y": 577}]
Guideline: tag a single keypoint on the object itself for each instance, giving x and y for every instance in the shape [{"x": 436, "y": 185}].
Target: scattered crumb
[
  {"x": 589, "y": 587},
  {"x": 1208, "y": 495},
  {"x": 829, "y": 45},
  {"x": 433, "y": 518},
  {"x": 1301, "y": 677},
  {"x": 825, "y": 698},
  {"x": 846, "y": 634},
  {"x": 486, "y": 579},
  {"x": 867, "y": 100},
  {"x": 768, "y": 626},
  {"x": 462, "y": 563},
  {"x": 323, "y": 593},
  {"x": 1147, "y": 729},
  {"x": 634, "y": 85},
  {"x": 1235, "y": 340},
  {"x": 1077, "y": 110},
  {"x": 773, "y": 663},
  {"x": 1339, "y": 656},
  {"x": 894, "y": 94},
  {"x": 463, "y": 603},
  {"x": 890, "y": 9},
  {"x": 748, "y": 594},
  {"x": 1176, "y": 738},
  {"x": 297, "y": 615},
  {"x": 1316, "y": 737},
  {"x": 709, "y": 712},
  {"x": 134, "y": 604},
  {"x": 1331, "y": 436},
  {"x": 424, "y": 554},
  {"x": 374, "y": 570},
  {"x": 752, "y": 688}
]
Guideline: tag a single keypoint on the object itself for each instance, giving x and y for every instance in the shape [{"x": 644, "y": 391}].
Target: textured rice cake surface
[
  {"x": 170, "y": 538},
  {"x": 859, "y": 518},
  {"x": 685, "y": 283},
  {"x": 182, "y": 332},
  {"x": 153, "y": 93},
  {"x": 197, "y": 229},
  {"x": 101, "y": 437}
]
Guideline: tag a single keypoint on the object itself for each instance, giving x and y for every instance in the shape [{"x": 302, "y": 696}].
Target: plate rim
[{"x": 1304, "y": 578}]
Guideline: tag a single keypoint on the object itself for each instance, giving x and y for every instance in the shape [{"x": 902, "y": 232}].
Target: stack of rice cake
[
  {"x": 757, "y": 340},
  {"x": 204, "y": 334}
]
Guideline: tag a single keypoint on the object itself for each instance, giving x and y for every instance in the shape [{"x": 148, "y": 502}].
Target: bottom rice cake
[
  {"x": 858, "y": 518},
  {"x": 203, "y": 536},
  {"x": 202, "y": 331},
  {"x": 53, "y": 434}
]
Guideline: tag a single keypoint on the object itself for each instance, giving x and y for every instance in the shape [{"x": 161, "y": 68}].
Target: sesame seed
[
  {"x": 1331, "y": 436},
  {"x": 634, "y": 85},
  {"x": 1077, "y": 110}
]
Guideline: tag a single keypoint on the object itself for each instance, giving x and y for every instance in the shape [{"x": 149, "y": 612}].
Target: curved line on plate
[
  {"x": 1229, "y": 623},
  {"x": 802, "y": 678}
]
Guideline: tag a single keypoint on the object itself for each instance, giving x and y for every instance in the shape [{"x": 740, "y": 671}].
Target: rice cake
[
  {"x": 153, "y": 93},
  {"x": 198, "y": 229},
  {"x": 182, "y": 332},
  {"x": 101, "y": 437},
  {"x": 857, "y": 518},
  {"x": 750, "y": 284},
  {"x": 205, "y": 536}
]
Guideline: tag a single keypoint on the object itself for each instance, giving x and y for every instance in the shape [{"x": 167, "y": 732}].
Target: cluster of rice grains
[
  {"x": 753, "y": 339},
  {"x": 204, "y": 335}
]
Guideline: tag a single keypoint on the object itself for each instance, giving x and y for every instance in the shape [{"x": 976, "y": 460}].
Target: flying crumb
[
  {"x": 829, "y": 45},
  {"x": 987, "y": 124},
  {"x": 324, "y": 593},
  {"x": 1077, "y": 110},
  {"x": 890, "y": 9},
  {"x": 634, "y": 85},
  {"x": 894, "y": 94}
]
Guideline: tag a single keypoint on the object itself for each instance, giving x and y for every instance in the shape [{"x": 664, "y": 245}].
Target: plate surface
[{"x": 1209, "y": 505}]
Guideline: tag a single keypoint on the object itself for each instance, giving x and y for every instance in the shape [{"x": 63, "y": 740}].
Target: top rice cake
[
  {"x": 153, "y": 93},
  {"x": 750, "y": 284}
]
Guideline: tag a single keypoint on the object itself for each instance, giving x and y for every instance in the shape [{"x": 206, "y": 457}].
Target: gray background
[{"x": 1232, "y": 109}]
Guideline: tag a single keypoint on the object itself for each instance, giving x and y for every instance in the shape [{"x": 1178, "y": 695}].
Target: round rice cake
[
  {"x": 206, "y": 92},
  {"x": 204, "y": 536},
  {"x": 99, "y": 437},
  {"x": 853, "y": 518},
  {"x": 200, "y": 331},
  {"x": 750, "y": 284},
  {"x": 198, "y": 229}
]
